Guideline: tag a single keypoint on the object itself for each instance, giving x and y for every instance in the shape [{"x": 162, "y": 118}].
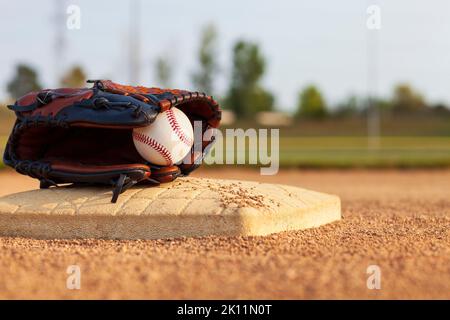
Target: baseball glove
[{"x": 84, "y": 136}]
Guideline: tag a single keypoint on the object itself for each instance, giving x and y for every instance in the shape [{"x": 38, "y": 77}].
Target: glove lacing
[{"x": 120, "y": 185}]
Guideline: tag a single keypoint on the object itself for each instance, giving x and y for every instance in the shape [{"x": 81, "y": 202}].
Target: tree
[
  {"x": 440, "y": 109},
  {"x": 24, "y": 81},
  {"x": 311, "y": 104},
  {"x": 246, "y": 96},
  {"x": 163, "y": 70},
  {"x": 203, "y": 78},
  {"x": 406, "y": 99},
  {"x": 349, "y": 107},
  {"x": 74, "y": 78}
]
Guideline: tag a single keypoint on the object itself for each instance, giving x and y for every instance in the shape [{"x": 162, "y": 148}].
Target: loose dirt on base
[{"x": 397, "y": 220}]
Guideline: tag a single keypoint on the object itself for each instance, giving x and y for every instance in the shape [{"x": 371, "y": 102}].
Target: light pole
[
  {"x": 134, "y": 42},
  {"x": 373, "y": 113}
]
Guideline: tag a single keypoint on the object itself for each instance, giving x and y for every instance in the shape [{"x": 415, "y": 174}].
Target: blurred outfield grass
[
  {"x": 347, "y": 152},
  {"x": 353, "y": 152},
  {"x": 409, "y": 143}
]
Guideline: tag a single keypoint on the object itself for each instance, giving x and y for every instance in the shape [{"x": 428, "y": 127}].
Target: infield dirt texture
[{"x": 397, "y": 220}]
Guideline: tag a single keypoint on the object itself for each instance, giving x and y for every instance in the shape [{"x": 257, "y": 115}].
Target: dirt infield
[{"x": 398, "y": 220}]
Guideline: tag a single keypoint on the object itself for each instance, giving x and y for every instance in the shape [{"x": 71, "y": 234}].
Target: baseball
[{"x": 167, "y": 140}]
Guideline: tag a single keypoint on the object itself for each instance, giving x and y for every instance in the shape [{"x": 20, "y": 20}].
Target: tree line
[{"x": 245, "y": 94}]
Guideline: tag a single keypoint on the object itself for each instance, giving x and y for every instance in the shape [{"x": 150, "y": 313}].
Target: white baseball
[{"x": 167, "y": 140}]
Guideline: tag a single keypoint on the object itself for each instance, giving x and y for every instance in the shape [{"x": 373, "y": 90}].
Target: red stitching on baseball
[
  {"x": 155, "y": 145},
  {"x": 177, "y": 129}
]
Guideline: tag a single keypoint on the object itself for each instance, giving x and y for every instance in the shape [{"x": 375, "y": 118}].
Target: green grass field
[
  {"x": 407, "y": 141},
  {"x": 349, "y": 152},
  {"x": 355, "y": 152},
  {"x": 346, "y": 146}
]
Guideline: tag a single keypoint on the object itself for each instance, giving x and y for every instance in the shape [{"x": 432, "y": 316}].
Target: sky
[{"x": 326, "y": 43}]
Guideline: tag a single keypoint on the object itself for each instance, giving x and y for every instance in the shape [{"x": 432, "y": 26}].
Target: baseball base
[{"x": 187, "y": 207}]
